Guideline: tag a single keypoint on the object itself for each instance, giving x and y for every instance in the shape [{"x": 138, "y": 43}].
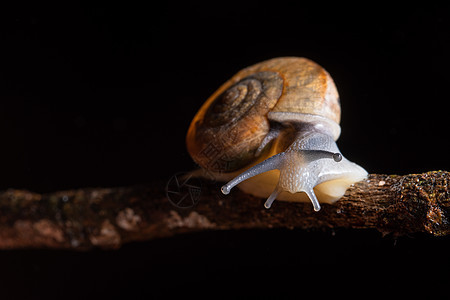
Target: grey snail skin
[{"x": 272, "y": 129}]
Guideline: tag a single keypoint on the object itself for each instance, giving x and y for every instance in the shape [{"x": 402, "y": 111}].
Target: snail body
[{"x": 272, "y": 129}]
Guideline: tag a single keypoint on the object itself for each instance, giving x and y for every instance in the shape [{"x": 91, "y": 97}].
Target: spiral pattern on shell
[{"x": 233, "y": 126}]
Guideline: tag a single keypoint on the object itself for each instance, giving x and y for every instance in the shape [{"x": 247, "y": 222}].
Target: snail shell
[
  {"x": 234, "y": 119},
  {"x": 262, "y": 111}
]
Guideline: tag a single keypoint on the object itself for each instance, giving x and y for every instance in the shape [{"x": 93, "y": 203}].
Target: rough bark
[{"x": 109, "y": 217}]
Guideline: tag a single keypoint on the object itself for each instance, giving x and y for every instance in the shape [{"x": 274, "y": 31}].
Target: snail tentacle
[
  {"x": 313, "y": 198},
  {"x": 269, "y": 164},
  {"x": 312, "y": 155},
  {"x": 272, "y": 197},
  {"x": 272, "y": 135}
]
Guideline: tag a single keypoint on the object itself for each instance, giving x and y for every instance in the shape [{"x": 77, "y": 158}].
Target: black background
[{"x": 101, "y": 94}]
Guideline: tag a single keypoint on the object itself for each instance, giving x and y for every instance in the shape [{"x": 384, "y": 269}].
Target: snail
[{"x": 272, "y": 129}]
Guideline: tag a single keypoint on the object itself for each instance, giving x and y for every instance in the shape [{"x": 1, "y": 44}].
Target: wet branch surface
[{"x": 89, "y": 218}]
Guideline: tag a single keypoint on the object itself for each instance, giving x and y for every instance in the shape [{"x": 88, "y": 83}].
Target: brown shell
[{"x": 228, "y": 129}]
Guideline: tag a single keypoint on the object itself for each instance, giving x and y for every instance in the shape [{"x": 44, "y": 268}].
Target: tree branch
[{"x": 109, "y": 217}]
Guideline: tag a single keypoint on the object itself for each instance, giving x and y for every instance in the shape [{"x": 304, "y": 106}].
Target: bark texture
[{"x": 109, "y": 217}]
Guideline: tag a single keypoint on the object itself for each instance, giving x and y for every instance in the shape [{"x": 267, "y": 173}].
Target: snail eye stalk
[
  {"x": 312, "y": 155},
  {"x": 269, "y": 164}
]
